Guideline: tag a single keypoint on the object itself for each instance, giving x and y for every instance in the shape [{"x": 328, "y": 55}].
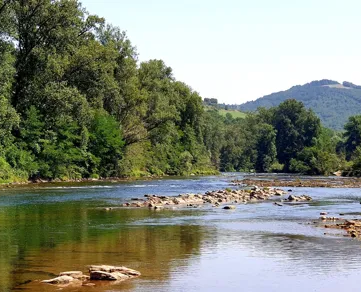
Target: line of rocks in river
[
  {"x": 352, "y": 227},
  {"x": 215, "y": 198},
  {"x": 96, "y": 273}
]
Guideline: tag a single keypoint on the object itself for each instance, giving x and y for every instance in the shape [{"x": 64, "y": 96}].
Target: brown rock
[
  {"x": 60, "y": 280},
  {"x": 111, "y": 269},
  {"x": 105, "y": 276},
  {"x": 279, "y": 193}
]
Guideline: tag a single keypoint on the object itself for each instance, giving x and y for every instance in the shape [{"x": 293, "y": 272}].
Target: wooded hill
[{"x": 332, "y": 102}]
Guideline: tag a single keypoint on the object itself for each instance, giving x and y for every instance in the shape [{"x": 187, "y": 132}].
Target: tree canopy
[{"x": 75, "y": 102}]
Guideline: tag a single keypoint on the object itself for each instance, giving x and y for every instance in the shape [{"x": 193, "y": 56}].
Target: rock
[
  {"x": 103, "y": 272},
  {"x": 157, "y": 207},
  {"x": 292, "y": 198},
  {"x": 350, "y": 222},
  {"x": 60, "y": 280},
  {"x": 255, "y": 188},
  {"x": 101, "y": 275},
  {"x": 323, "y": 218},
  {"x": 302, "y": 198},
  {"x": 229, "y": 207},
  {"x": 111, "y": 269},
  {"x": 278, "y": 193},
  {"x": 338, "y": 173},
  {"x": 210, "y": 197},
  {"x": 305, "y": 198}
]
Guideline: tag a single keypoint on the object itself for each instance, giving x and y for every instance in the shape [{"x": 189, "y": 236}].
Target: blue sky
[{"x": 237, "y": 50}]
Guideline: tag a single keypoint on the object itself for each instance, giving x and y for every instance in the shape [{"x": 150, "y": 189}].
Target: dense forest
[
  {"x": 332, "y": 102},
  {"x": 75, "y": 103}
]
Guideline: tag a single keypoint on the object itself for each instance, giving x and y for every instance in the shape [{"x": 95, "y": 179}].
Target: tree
[
  {"x": 296, "y": 129},
  {"x": 352, "y": 135},
  {"x": 106, "y": 144},
  {"x": 266, "y": 148}
]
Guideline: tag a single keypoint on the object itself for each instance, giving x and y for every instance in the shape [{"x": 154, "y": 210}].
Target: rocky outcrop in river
[
  {"x": 216, "y": 198},
  {"x": 352, "y": 227},
  {"x": 97, "y": 273}
]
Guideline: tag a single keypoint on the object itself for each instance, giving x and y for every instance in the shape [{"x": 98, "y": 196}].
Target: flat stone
[
  {"x": 111, "y": 269},
  {"x": 105, "y": 276}
]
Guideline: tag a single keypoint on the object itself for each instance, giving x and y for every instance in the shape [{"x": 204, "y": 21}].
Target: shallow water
[{"x": 257, "y": 247}]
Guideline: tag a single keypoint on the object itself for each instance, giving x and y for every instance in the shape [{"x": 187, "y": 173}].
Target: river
[{"x": 53, "y": 228}]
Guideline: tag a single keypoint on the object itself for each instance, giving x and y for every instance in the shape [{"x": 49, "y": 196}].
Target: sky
[{"x": 238, "y": 50}]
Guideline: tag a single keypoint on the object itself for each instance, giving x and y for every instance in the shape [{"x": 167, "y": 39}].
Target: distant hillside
[
  {"x": 331, "y": 101},
  {"x": 234, "y": 113},
  {"x": 220, "y": 108}
]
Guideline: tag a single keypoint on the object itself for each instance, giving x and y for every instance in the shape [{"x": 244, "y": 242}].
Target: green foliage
[
  {"x": 266, "y": 148},
  {"x": 76, "y": 103},
  {"x": 352, "y": 145},
  {"x": 276, "y": 167},
  {"x": 105, "y": 144},
  {"x": 352, "y": 135},
  {"x": 296, "y": 128}
]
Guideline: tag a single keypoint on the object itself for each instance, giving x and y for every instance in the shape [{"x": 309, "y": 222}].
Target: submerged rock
[
  {"x": 97, "y": 272},
  {"x": 302, "y": 198},
  {"x": 60, "y": 280}
]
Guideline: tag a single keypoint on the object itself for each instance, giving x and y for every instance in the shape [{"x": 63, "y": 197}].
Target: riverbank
[
  {"x": 334, "y": 182},
  {"x": 45, "y": 182}
]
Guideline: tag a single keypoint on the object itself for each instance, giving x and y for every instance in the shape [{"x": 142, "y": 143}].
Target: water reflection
[{"x": 72, "y": 236}]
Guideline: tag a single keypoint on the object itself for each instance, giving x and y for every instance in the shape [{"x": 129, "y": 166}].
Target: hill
[
  {"x": 331, "y": 101},
  {"x": 223, "y": 112}
]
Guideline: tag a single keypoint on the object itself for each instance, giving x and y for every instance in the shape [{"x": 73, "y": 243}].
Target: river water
[{"x": 53, "y": 228}]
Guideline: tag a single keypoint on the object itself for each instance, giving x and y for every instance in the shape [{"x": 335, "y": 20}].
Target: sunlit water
[{"x": 257, "y": 247}]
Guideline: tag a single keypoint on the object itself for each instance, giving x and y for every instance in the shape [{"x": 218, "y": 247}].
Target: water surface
[{"x": 257, "y": 247}]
